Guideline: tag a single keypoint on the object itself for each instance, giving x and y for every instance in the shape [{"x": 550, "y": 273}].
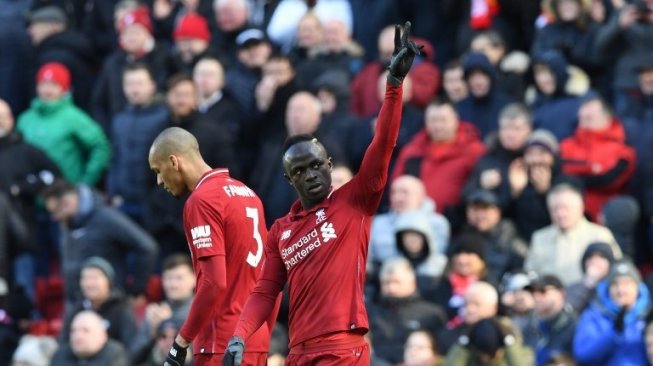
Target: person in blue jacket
[{"x": 611, "y": 331}]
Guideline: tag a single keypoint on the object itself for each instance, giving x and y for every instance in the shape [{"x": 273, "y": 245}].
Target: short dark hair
[
  {"x": 176, "y": 260},
  {"x": 58, "y": 189},
  {"x": 295, "y": 139},
  {"x": 440, "y": 102},
  {"x": 280, "y": 56},
  {"x": 138, "y": 66},
  {"x": 453, "y": 64},
  {"x": 495, "y": 38},
  {"x": 596, "y": 98},
  {"x": 177, "y": 79}
]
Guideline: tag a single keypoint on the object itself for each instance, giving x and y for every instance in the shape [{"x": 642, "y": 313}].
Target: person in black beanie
[{"x": 595, "y": 263}]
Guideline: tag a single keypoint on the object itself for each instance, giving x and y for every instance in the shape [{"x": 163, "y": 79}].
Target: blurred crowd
[{"x": 516, "y": 229}]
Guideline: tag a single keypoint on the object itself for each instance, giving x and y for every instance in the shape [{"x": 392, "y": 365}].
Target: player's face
[
  {"x": 167, "y": 174},
  {"x": 308, "y": 169}
]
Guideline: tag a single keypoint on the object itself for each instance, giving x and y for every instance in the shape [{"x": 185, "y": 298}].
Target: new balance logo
[
  {"x": 285, "y": 235},
  {"x": 203, "y": 231},
  {"x": 328, "y": 232},
  {"x": 321, "y": 216}
]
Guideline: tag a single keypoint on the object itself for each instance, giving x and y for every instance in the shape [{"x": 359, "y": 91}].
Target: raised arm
[{"x": 367, "y": 186}]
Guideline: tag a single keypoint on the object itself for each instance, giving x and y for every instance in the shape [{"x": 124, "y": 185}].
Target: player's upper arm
[{"x": 203, "y": 223}]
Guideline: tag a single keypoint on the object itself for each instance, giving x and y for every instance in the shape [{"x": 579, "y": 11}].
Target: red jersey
[
  {"x": 223, "y": 219},
  {"x": 321, "y": 252}
]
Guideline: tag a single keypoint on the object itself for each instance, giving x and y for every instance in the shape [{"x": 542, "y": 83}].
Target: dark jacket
[
  {"x": 553, "y": 335},
  {"x": 99, "y": 230},
  {"x": 117, "y": 314},
  {"x": 505, "y": 251},
  {"x": 99, "y": 26},
  {"x": 17, "y": 84},
  {"x": 14, "y": 235},
  {"x": 558, "y": 112},
  {"x": 112, "y": 354},
  {"x": 483, "y": 112},
  {"x": 108, "y": 98},
  {"x": 29, "y": 169},
  {"x": 497, "y": 158},
  {"x": 392, "y": 320},
  {"x": 226, "y": 113},
  {"x": 132, "y": 133}
]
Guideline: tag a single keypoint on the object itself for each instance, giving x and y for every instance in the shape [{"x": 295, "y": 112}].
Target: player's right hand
[
  {"x": 233, "y": 355},
  {"x": 176, "y": 355}
]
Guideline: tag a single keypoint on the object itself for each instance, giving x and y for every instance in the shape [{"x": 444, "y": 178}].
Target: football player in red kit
[
  {"x": 320, "y": 247},
  {"x": 225, "y": 230}
]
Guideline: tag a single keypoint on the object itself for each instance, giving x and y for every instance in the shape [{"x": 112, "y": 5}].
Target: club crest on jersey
[
  {"x": 320, "y": 216},
  {"x": 201, "y": 236}
]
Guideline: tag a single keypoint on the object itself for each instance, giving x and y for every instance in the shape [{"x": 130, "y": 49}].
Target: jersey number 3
[{"x": 254, "y": 259}]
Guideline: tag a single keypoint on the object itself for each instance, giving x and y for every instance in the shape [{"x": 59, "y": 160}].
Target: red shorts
[
  {"x": 215, "y": 359},
  {"x": 352, "y": 350}
]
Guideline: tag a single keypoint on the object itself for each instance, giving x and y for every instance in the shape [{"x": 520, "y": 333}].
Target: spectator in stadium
[
  {"x": 485, "y": 100},
  {"x": 640, "y": 103},
  {"x": 407, "y": 193},
  {"x": 531, "y": 178},
  {"x": 91, "y": 228},
  {"x": 491, "y": 341},
  {"x": 166, "y": 15},
  {"x": 610, "y": 331},
  {"x": 445, "y": 151},
  {"x": 231, "y": 18},
  {"x": 89, "y": 344},
  {"x": 555, "y": 107},
  {"x": 556, "y": 320},
  {"x": 572, "y": 32},
  {"x": 426, "y": 75},
  {"x": 510, "y": 67},
  {"x": 558, "y": 248},
  {"x": 64, "y": 132},
  {"x": 453, "y": 82},
  {"x": 137, "y": 44},
  {"x": 98, "y": 294},
  {"x": 417, "y": 242},
  {"x": 598, "y": 155},
  {"x": 214, "y": 102},
  {"x": 517, "y": 301},
  {"x": 504, "y": 250},
  {"x": 480, "y": 301},
  {"x": 54, "y": 40},
  {"x": 340, "y": 174},
  {"x": 596, "y": 262},
  {"x": 400, "y": 311},
  {"x": 191, "y": 43},
  {"x": 466, "y": 266},
  {"x": 163, "y": 338},
  {"x": 491, "y": 170},
  {"x": 310, "y": 38},
  {"x": 101, "y": 21},
  {"x": 132, "y": 130},
  {"x": 34, "y": 351},
  {"x": 178, "y": 282},
  {"x": 421, "y": 350},
  {"x": 628, "y": 34},
  {"x": 621, "y": 214},
  {"x": 253, "y": 49}
]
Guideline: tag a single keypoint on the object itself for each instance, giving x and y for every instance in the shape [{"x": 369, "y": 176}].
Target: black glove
[
  {"x": 233, "y": 355},
  {"x": 403, "y": 55},
  {"x": 619, "y": 320},
  {"x": 176, "y": 355}
]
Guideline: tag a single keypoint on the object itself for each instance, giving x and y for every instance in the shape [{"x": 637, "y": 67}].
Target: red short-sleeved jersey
[
  {"x": 321, "y": 252},
  {"x": 224, "y": 217}
]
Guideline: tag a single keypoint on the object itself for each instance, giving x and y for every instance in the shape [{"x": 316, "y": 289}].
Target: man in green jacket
[{"x": 64, "y": 132}]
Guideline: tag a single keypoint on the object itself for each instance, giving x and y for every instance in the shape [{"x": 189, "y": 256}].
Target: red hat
[
  {"x": 54, "y": 71},
  {"x": 140, "y": 15},
  {"x": 192, "y": 26}
]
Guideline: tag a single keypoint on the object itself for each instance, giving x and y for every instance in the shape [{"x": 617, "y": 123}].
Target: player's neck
[{"x": 195, "y": 173}]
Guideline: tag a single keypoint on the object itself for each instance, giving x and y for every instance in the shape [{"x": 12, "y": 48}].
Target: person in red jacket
[
  {"x": 319, "y": 249},
  {"x": 442, "y": 155},
  {"x": 598, "y": 154},
  {"x": 225, "y": 231},
  {"x": 425, "y": 76}
]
